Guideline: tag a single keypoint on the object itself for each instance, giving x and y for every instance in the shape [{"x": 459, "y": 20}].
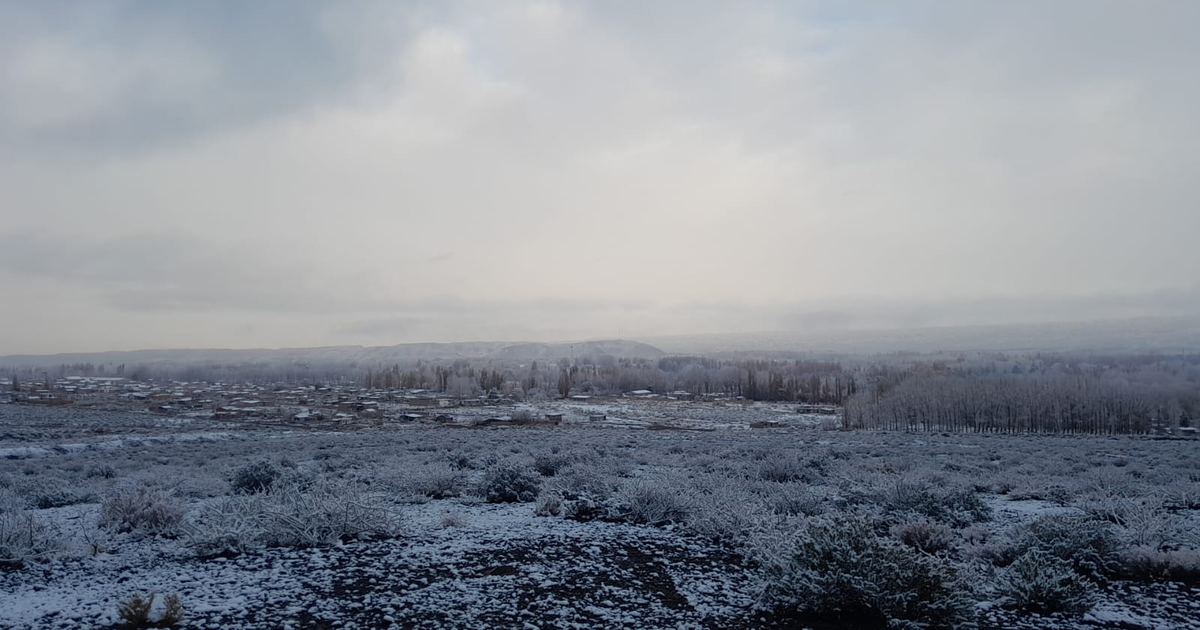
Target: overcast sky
[{"x": 246, "y": 174}]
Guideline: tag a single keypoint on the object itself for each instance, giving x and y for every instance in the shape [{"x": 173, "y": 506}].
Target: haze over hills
[
  {"x": 402, "y": 353},
  {"x": 1168, "y": 335},
  {"x": 1148, "y": 334}
]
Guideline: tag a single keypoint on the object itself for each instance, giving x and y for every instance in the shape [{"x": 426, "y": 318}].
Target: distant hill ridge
[{"x": 402, "y": 353}]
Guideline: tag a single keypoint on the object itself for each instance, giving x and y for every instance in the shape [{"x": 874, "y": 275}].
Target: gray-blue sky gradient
[{"x": 306, "y": 173}]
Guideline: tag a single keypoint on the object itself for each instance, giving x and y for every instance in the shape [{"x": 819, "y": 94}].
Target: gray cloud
[{"x": 315, "y": 172}]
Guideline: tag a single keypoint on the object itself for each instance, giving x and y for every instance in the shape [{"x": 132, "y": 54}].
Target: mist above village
[{"x": 372, "y": 173}]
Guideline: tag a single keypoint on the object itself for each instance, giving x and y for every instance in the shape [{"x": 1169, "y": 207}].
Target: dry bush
[
  {"x": 226, "y": 527},
  {"x": 1087, "y": 546},
  {"x": 143, "y": 511},
  {"x": 102, "y": 471},
  {"x": 957, "y": 506},
  {"x": 924, "y": 535},
  {"x": 783, "y": 468},
  {"x": 726, "y": 509},
  {"x": 1145, "y": 564},
  {"x": 254, "y": 478},
  {"x": 653, "y": 502},
  {"x": 580, "y": 492},
  {"x": 323, "y": 515},
  {"x": 437, "y": 481},
  {"x": 1142, "y": 522},
  {"x": 135, "y": 611},
  {"x": 509, "y": 483},
  {"x": 172, "y": 610},
  {"x": 24, "y": 538},
  {"x": 794, "y": 499},
  {"x": 840, "y": 569},
  {"x": 549, "y": 464},
  {"x": 1042, "y": 583}
]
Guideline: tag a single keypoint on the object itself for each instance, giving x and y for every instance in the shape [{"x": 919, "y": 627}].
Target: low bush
[
  {"x": 1043, "y": 583},
  {"x": 726, "y": 510},
  {"x": 135, "y": 611},
  {"x": 254, "y": 478},
  {"x": 956, "y": 506},
  {"x": 1087, "y": 545},
  {"x": 509, "y": 483},
  {"x": 578, "y": 492},
  {"x": 437, "y": 481},
  {"x": 103, "y": 471},
  {"x": 923, "y": 535},
  {"x": 1145, "y": 564},
  {"x": 783, "y": 469},
  {"x": 842, "y": 570},
  {"x": 549, "y": 464},
  {"x": 796, "y": 499},
  {"x": 226, "y": 527},
  {"x": 42, "y": 493},
  {"x": 143, "y": 511},
  {"x": 323, "y": 515},
  {"x": 651, "y": 502},
  {"x": 24, "y": 538}
]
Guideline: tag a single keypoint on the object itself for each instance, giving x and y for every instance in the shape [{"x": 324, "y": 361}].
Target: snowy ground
[{"x": 460, "y": 562}]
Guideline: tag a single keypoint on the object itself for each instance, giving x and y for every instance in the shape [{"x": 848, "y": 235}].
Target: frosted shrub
[
  {"x": 453, "y": 519},
  {"x": 1140, "y": 522},
  {"x": 722, "y": 509},
  {"x": 437, "y": 481},
  {"x": 549, "y": 464},
  {"x": 143, "y": 511},
  {"x": 226, "y": 527},
  {"x": 651, "y": 502},
  {"x": 796, "y": 499},
  {"x": 509, "y": 483},
  {"x": 841, "y": 569},
  {"x": 44, "y": 493},
  {"x": 254, "y": 478},
  {"x": 103, "y": 471},
  {"x": 578, "y": 493},
  {"x": 1146, "y": 564},
  {"x": 323, "y": 515},
  {"x": 923, "y": 535},
  {"x": 1042, "y": 583},
  {"x": 24, "y": 538},
  {"x": 957, "y": 506},
  {"x": 783, "y": 468},
  {"x": 135, "y": 611},
  {"x": 1086, "y": 545}
]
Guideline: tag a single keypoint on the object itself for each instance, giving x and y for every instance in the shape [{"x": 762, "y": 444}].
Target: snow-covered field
[{"x": 584, "y": 526}]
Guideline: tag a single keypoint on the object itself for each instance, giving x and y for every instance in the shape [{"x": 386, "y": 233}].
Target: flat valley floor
[{"x": 421, "y": 526}]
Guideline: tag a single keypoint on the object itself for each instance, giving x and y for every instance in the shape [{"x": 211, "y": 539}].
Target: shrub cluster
[
  {"x": 956, "y": 506},
  {"x": 254, "y": 478},
  {"x": 291, "y": 516},
  {"x": 1089, "y": 547},
  {"x": 144, "y": 511},
  {"x": 24, "y": 538},
  {"x": 653, "y": 502},
  {"x": 1043, "y": 583},
  {"x": 510, "y": 483},
  {"x": 437, "y": 481},
  {"x": 843, "y": 570}
]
